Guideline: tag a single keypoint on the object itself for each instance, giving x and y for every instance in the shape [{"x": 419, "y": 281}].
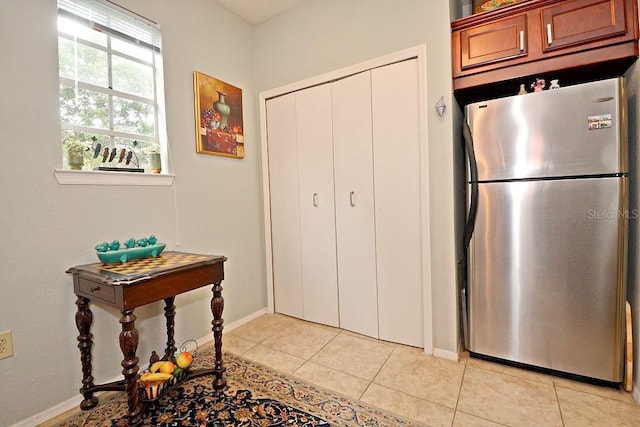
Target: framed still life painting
[{"x": 218, "y": 112}]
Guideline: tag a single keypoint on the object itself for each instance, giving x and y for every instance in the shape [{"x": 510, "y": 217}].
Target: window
[{"x": 111, "y": 88}]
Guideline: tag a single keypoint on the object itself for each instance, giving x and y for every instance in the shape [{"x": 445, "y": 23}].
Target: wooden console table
[{"x": 133, "y": 284}]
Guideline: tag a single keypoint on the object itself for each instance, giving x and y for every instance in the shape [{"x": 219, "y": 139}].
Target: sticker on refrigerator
[{"x": 602, "y": 121}]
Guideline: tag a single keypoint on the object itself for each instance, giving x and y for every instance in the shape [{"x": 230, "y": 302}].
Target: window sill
[{"x": 72, "y": 177}]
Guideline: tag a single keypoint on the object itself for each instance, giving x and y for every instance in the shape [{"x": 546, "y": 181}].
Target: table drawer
[{"x": 97, "y": 290}]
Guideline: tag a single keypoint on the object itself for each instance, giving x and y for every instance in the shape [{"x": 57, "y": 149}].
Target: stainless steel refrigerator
[{"x": 547, "y": 257}]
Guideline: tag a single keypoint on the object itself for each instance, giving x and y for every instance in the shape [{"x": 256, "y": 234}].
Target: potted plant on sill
[{"x": 75, "y": 153}]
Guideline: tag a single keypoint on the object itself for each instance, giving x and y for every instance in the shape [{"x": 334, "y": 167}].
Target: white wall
[
  {"x": 324, "y": 35},
  {"x": 215, "y": 206}
]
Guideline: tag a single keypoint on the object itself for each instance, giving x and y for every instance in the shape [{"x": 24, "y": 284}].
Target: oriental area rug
[{"x": 256, "y": 396}]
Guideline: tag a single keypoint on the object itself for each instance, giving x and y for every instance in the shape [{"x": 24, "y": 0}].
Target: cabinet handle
[
  {"x": 352, "y": 198},
  {"x": 521, "y": 40},
  {"x": 549, "y": 36},
  {"x": 95, "y": 289},
  {"x": 315, "y": 200}
]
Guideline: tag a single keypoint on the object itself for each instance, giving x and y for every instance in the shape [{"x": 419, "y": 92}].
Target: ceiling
[{"x": 256, "y": 11}]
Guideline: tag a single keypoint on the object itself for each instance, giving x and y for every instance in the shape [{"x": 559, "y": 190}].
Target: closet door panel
[
  {"x": 355, "y": 228},
  {"x": 317, "y": 208},
  {"x": 396, "y": 126},
  {"x": 285, "y": 211}
]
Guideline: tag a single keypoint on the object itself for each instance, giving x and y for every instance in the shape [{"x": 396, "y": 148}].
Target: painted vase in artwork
[{"x": 223, "y": 108}]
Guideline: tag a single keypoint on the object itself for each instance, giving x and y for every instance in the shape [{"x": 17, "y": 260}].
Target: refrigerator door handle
[
  {"x": 465, "y": 317},
  {"x": 468, "y": 229},
  {"x": 473, "y": 178}
]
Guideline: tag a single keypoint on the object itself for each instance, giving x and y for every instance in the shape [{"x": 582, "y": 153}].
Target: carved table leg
[
  {"x": 129, "y": 345},
  {"x": 217, "y": 305},
  {"x": 170, "y": 314},
  {"x": 84, "y": 318}
]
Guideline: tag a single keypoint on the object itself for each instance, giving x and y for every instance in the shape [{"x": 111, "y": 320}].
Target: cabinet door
[
  {"x": 396, "y": 153},
  {"x": 577, "y": 22},
  {"x": 355, "y": 228},
  {"x": 285, "y": 211},
  {"x": 493, "y": 42},
  {"x": 317, "y": 208}
]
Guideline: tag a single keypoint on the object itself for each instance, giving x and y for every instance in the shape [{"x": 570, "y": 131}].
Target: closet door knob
[{"x": 352, "y": 198}]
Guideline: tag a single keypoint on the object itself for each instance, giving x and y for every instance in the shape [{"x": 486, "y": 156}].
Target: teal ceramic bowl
[{"x": 127, "y": 254}]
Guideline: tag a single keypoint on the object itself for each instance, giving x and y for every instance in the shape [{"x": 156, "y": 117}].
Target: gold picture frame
[
  {"x": 218, "y": 114},
  {"x": 480, "y": 6}
]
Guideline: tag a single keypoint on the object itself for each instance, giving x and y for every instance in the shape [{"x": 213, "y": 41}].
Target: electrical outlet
[{"x": 6, "y": 346}]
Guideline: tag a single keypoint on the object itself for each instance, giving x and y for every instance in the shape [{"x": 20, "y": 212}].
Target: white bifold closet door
[
  {"x": 355, "y": 222},
  {"x": 285, "y": 209},
  {"x": 302, "y": 205},
  {"x": 396, "y": 153},
  {"x": 317, "y": 208},
  {"x": 344, "y": 183}
]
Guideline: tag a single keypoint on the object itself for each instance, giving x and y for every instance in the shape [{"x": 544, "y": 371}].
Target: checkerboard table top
[
  {"x": 130, "y": 271},
  {"x": 145, "y": 265}
]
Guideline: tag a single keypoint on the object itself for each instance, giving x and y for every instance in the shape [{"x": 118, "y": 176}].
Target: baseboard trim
[
  {"x": 246, "y": 319},
  {"x": 72, "y": 403},
  {"x": 59, "y": 409},
  {"x": 446, "y": 354}
]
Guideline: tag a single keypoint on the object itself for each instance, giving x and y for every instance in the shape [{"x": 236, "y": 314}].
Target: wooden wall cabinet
[
  {"x": 582, "y": 22},
  {"x": 493, "y": 42},
  {"x": 544, "y": 36}
]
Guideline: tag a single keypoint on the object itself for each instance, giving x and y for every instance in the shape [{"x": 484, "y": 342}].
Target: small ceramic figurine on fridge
[
  {"x": 522, "y": 91},
  {"x": 554, "y": 84},
  {"x": 538, "y": 85}
]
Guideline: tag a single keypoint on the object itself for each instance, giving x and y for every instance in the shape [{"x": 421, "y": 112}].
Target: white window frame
[{"x": 131, "y": 22}]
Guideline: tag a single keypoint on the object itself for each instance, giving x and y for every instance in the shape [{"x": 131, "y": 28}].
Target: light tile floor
[{"x": 433, "y": 391}]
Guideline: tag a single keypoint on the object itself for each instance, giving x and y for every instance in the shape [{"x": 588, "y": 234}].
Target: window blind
[{"x": 109, "y": 17}]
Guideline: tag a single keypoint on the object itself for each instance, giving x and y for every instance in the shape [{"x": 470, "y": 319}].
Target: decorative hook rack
[{"x": 117, "y": 154}]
